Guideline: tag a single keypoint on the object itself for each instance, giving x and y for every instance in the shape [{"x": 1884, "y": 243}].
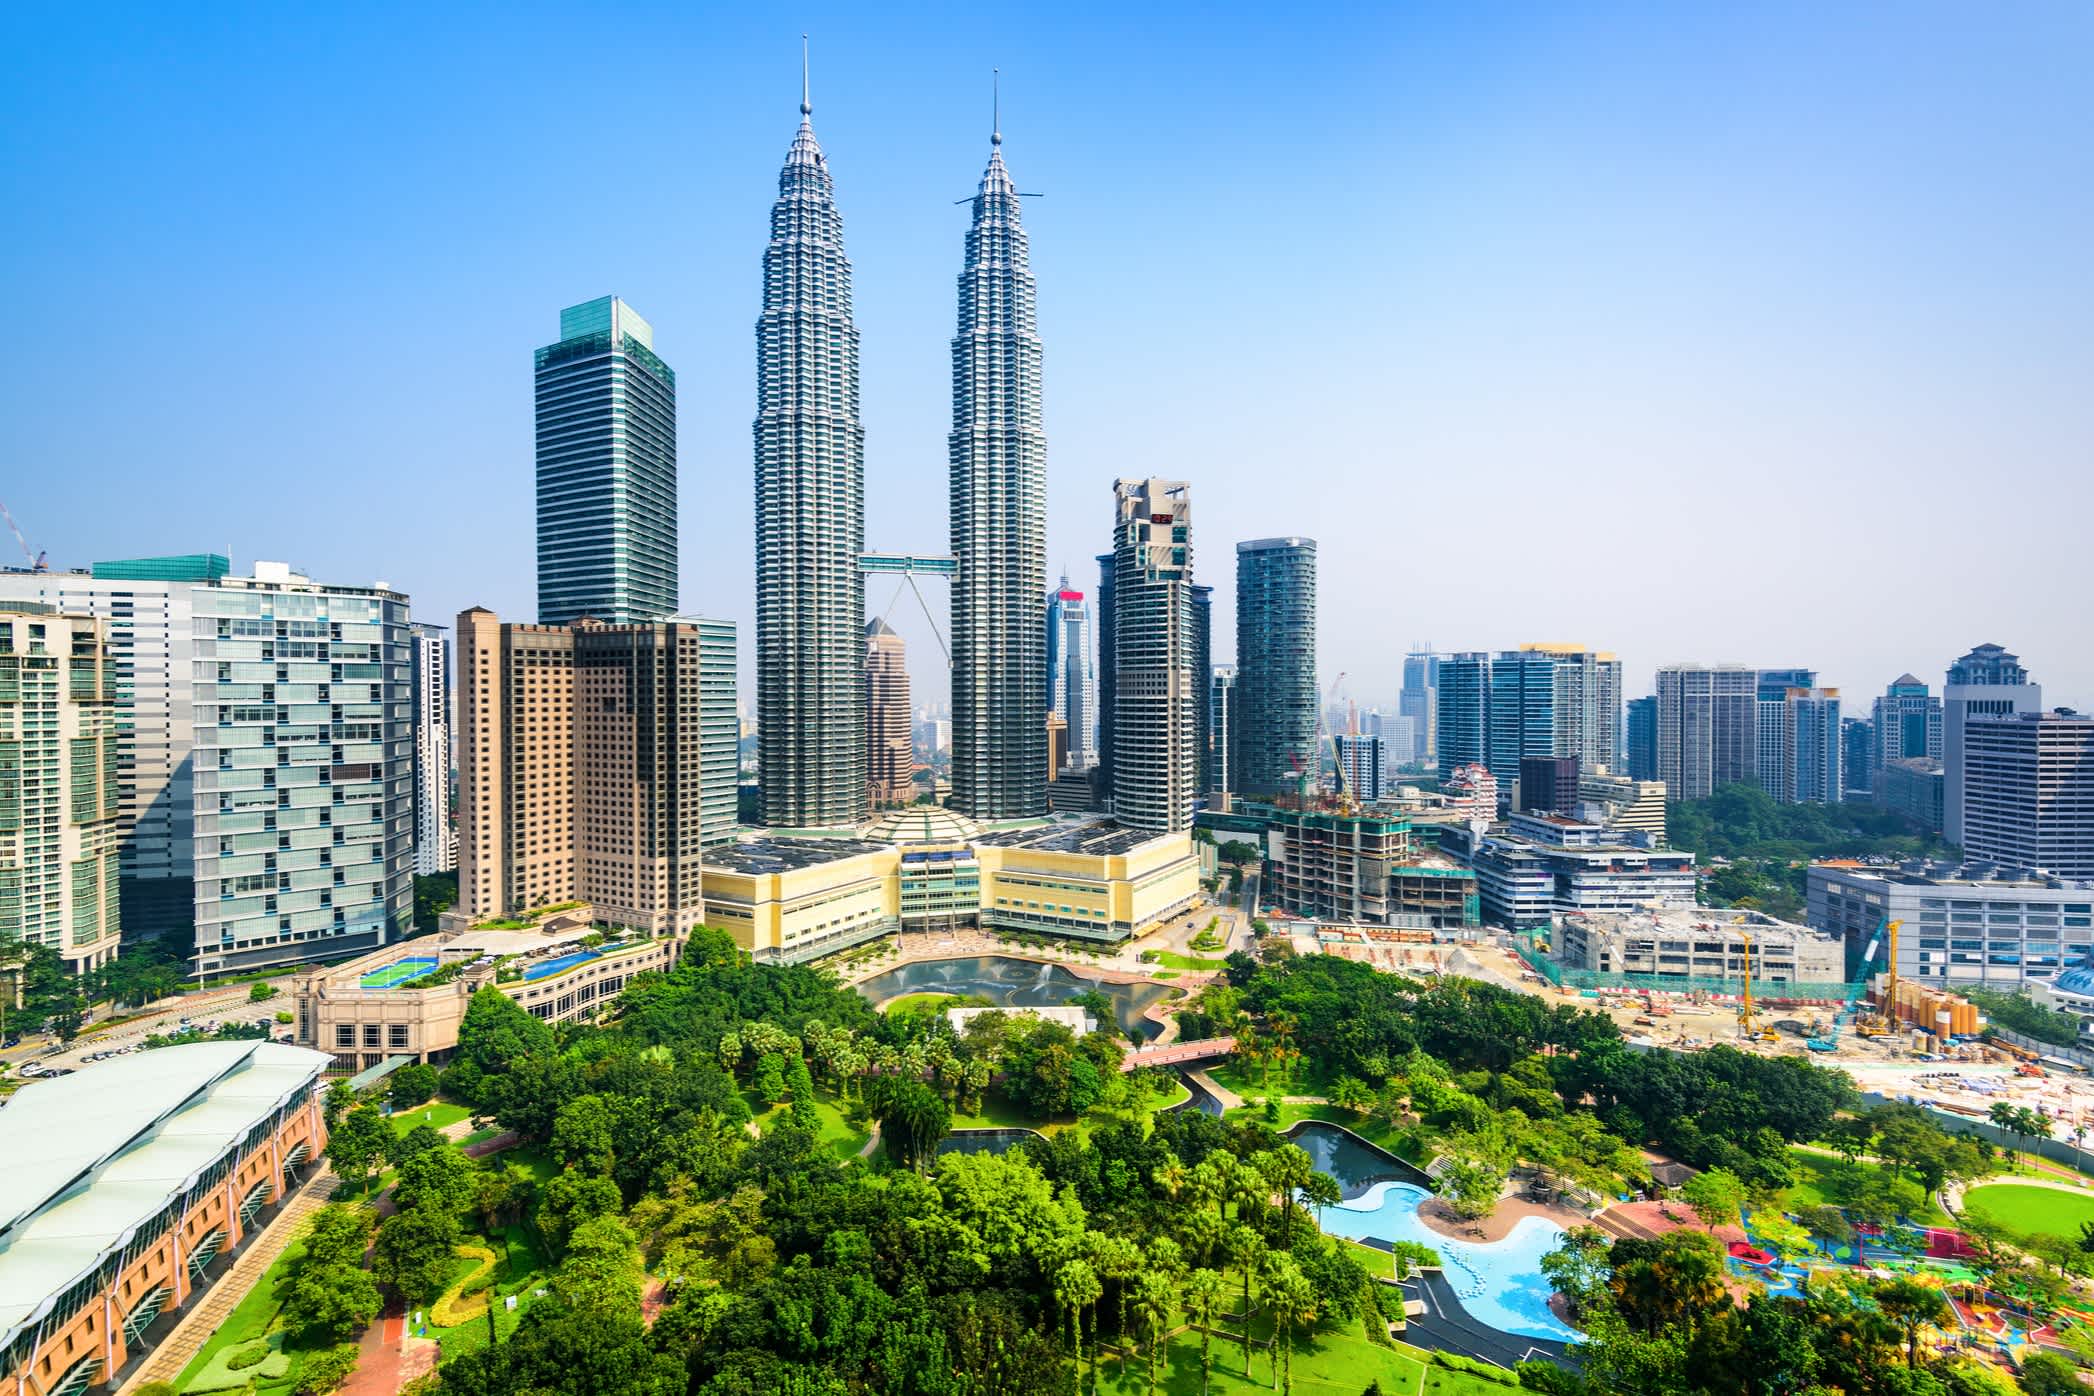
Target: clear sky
[{"x": 1760, "y": 332}]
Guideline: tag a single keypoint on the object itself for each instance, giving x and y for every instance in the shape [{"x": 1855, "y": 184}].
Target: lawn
[
  {"x": 436, "y": 1114},
  {"x": 519, "y": 1270},
  {"x": 1248, "y": 1080},
  {"x": 912, "y": 1003},
  {"x": 1333, "y": 1362},
  {"x": 2031, "y": 1210},
  {"x": 1170, "y": 959},
  {"x": 1817, "y": 1183},
  {"x": 250, "y": 1321},
  {"x": 842, "y": 1137}
]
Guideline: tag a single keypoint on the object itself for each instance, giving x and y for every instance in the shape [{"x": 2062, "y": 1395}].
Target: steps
[{"x": 208, "y": 1311}]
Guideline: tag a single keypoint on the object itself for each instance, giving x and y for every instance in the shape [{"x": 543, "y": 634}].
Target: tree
[
  {"x": 1293, "y": 1304},
  {"x": 413, "y": 1253},
  {"x": 440, "y": 1180},
  {"x": 1716, "y": 1196},
  {"x": 1203, "y": 1298},
  {"x": 1577, "y": 1268},
  {"x": 1912, "y": 1306},
  {"x": 570, "y": 1199},
  {"x": 912, "y": 1120},
  {"x": 1788, "y": 1240},
  {"x": 2050, "y": 1374},
  {"x": 1321, "y": 1191},
  {"x": 358, "y": 1143},
  {"x": 325, "y": 1370},
  {"x": 1470, "y": 1187},
  {"x": 411, "y": 1085},
  {"x": 1076, "y": 1288},
  {"x": 769, "y": 1082},
  {"x": 1155, "y": 1299},
  {"x": 603, "y": 1269},
  {"x": 262, "y": 992},
  {"x": 582, "y": 1134},
  {"x": 1246, "y": 1250},
  {"x": 331, "y": 1296}
]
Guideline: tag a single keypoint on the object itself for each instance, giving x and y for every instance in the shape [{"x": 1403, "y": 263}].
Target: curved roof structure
[
  {"x": 922, "y": 824},
  {"x": 94, "y": 1155}
]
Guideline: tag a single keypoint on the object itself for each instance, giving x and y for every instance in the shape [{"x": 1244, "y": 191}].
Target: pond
[
  {"x": 1500, "y": 1282},
  {"x": 984, "y": 1141},
  {"x": 1014, "y": 983}
]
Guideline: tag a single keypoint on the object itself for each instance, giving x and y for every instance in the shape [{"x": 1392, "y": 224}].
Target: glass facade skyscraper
[
  {"x": 810, "y": 511},
  {"x": 1071, "y": 679},
  {"x": 1155, "y": 770},
  {"x": 304, "y": 779},
  {"x": 1276, "y": 697},
  {"x": 606, "y": 470},
  {"x": 998, "y": 455}
]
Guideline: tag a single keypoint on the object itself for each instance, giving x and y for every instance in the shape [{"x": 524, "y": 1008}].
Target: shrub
[
  {"x": 326, "y": 1369},
  {"x": 467, "y": 1297},
  {"x": 1455, "y": 1362},
  {"x": 282, "y": 1016},
  {"x": 157, "y": 1388},
  {"x": 251, "y": 1355}
]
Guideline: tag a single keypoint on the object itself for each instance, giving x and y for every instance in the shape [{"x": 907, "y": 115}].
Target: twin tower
[{"x": 810, "y": 514}]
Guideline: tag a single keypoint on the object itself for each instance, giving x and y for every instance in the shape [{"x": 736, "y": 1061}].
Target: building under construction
[
  {"x": 1703, "y": 948},
  {"x": 1331, "y": 861}
]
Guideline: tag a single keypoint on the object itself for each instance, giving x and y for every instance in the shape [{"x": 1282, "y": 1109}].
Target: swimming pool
[
  {"x": 554, "y": 966},
  {"x": 395, "y": 974}
]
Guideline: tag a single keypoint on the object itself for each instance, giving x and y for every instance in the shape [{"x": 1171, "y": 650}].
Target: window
[
  {"x": 396, "y": 1035},
  {"x": 370, "y": 1034},
  {"x": 345, "y": 1034}
]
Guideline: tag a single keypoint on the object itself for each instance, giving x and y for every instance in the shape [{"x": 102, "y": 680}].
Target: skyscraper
[
  {"x": 606, "y": 469},
  {"x": 1276, "y": 697},
  {"x": 1358, "y": 757},
  {"x": 1907, "y": 722},
  {"x": 1643, "y": 739},
  {"x": 1203, "y": 682},
  {"x": 2028, "y": 793},
  {"x": 60, "y": 812},
  {"x": 303, "y": 798},
  {"x": 891, "y": 762},
  {"x": 1419, "y": 702},
  {"x": 1463, "y": 710},
  {"x": 435, "y": 842},
  {"x": 1522, "y": 713},
  {"x": 1707, "y": 723},
  {"x": 1587, "y": 704},
  {"x": 1987, "y": 682},
  {"x": 1072, "y": 681},
  {"x": 998, "y": 455},
  {"x": 1810, "y": 752},
  {"x": 1154, "y": 770},
  {"x": 810, "y": 509},
  {"x": 1108, "y": 687},
  {"x": 1858, "y": 759},
  {"x": 1221, "y": 728}
]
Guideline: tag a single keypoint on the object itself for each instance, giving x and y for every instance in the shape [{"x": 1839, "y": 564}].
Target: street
[{"x": 161, "y": 1016}]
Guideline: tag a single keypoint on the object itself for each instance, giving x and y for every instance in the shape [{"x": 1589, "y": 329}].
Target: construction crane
[
  {"x": 38, "y": 561},
  {"x": 1753, "y": 1033},
  {"x": 1831, "y": 1039}
]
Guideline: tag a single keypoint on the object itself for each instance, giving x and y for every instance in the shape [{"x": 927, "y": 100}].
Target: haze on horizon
[{"x": 1756, "y": 335}]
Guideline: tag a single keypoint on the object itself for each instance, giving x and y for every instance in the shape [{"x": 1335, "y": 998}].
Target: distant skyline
[{"x": 1756, "y": 336}]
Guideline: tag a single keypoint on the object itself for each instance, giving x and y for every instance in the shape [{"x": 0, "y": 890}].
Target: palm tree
[
  {"x": 1172, "y": 1176},
  {"x": 1203, "y": 1296},
  {"x": 1246, "y": 1249},
  {"x": 1075, "y": 1288},
  {"x": 1156, "y": 1299},
  {"x": 2006, "y": 1117},
  {"x": 1283, "y": 1170},
  {"x": 1116, "y": 1259},
  {"x": 1321, "y": 1191},
  {"x": 1293, "y": 1301}
]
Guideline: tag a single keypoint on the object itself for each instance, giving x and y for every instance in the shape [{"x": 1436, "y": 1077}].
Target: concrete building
[
  {"x": 1221, "y": 732},
  {"x": 1702, "y": 944},
  {"x": 998, "y": 457},
  {"x": 131, "y": 1186},
  {"x": 1799, "y": 760},
  {"x": 2028, "y": 791},
  {"x": 1548, "y": 784},
  {"x": 1275, "y": 663},
  {"x": 1641, "y": 762},
  {"x": 1154, "y": 768},
  {"x": 1099, "y": 881},
  {"x": 786, "y": 900},
  {"x": 891, "y": 760},
  {"x": 1108, "y": 686},
  {"x": 1623, "y": 804},
  {"x": 1360, "y": 759},
  {"x": 1419, "y": 701},
  {"x": 1907, "y": 722},
  {"x": 606, "y": 410},
  {"x": 1586, "y": 704},
  {"x": 303, "y": 799},
  {"x": 1462, "y": 727},
  {"x": 435, "y": 840},
  {"x": 1472, "y": 793},
  {"x": 1707, "y": 733},
  {"x": 1546, "y": 865},
  {"x": 1986, "y": 682},
  {"x": 61, "y": 812},
  {"x": 1072, "y": 676},
  {"x": 1911, "y": 786},
  {"x": 1399, "y": 740},
  {"x": 409, "y": 1000},
  {"x": 1203, "y": 682},
  {"x": 1962, "y": 923},
  {"x": 146, "y": 603},
  {"x": 810, "y": 510},
  {"x": 596, "y": 764}
]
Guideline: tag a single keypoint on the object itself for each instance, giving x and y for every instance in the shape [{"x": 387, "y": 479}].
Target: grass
[
  {"x": 2033, "y": 1211},
  {"x": 1171, "y": 959},
  {"x": 435, "y": 1114},
  {"x": 250, "y": 1321},
  {"x": 519, "y": 1268},
  {"x": 1817, "y": 1184},
  {"x": 844, "y": 1139},
  {"x": 1246, "y": 1080},
  {"x": 1374, "y": 1131},
  {"x": 1331, "y": 1362},
  {"x": 912, "y": 1003}
]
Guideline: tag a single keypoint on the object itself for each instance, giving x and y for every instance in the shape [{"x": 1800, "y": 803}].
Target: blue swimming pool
[{"x": 547, "y": 968}]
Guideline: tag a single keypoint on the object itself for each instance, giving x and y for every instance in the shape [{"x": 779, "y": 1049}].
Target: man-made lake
[
  {"x": 1015, "y": 983},
  {"x": 1500, "y": 1282}
]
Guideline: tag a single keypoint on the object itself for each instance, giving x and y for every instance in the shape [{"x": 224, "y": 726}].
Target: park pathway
[{"x": 205, "y": 1315}]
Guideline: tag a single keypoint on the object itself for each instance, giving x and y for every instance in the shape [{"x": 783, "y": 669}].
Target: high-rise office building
[
  {"x": 61, "y": 812},
  {"x": 1276, "y": 693},
  {"x": 1987, "y": 682},
  {"x": 1908, "y": 722},
  {"x": 1805, "y": 765},
  {"x": 1358, "y": 757},
  {"x": 146, "y": 602},
  {"x": 1586, "y": 705},
  {"x": 891, "y": 762},
  {"x": 1772, "y": 766},
  {"x": 1398, "y": 744},
  {"x": 810, "y": 510},
  {"x": 1642, "y": 740},
  {"x": 1221, "y": 730},
  {"x": 1154, "y": 770},
  {"x": 606, "y": 408},
  {"x": 596, "y": 763},
  {"x": 1523, "y": 719},
  {"x": 2028, "y": 791},
  {"x": 303, "y": 798},
  {"x": 1463, "y": 712},
  {"x": 435, "y": 841},
  {"x": 999, "y": 519},
  {"x": 1548, "y": 784},
  {"x": 1072, "y": 682},
  {"x": 1707, "y": 728},
  {"x": 1203, "y": 681},
  {"x": 1857, "y": 759},
  {"x": 1419, "y": 702},
  {"x": 1108, "y": 688}
]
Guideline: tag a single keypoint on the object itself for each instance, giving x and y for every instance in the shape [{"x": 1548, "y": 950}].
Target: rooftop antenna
[
  {"x": 996, "y": 106},
  {"x": 806, "y": 98}
]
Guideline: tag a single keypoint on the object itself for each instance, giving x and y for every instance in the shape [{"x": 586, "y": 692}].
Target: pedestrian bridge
[{"x": 1177, "y": 1053}]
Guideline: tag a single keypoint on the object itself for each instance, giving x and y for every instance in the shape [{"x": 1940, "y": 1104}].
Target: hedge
[{"x": 454, "y": 1306}]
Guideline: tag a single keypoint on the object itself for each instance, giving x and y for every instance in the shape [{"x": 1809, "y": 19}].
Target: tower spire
[
  {"x": 996, "y": 106},
  {"x": 806, "y": 99}
]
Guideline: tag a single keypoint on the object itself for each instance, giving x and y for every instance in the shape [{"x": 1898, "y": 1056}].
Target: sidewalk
[{"x": 207, "y": 1312}]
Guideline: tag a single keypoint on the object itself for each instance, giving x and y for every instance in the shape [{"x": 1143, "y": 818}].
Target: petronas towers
[{"x": 810, "y": 514}]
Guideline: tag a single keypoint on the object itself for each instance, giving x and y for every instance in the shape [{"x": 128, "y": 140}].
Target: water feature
[
  {"x": 1014, "y": 983},
  {"x": 1500, "y": 1282},
  {"x": 983, "y": 1141}
]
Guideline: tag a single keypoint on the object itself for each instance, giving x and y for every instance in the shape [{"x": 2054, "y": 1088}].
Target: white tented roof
[{"x": 90, "y": 1156}]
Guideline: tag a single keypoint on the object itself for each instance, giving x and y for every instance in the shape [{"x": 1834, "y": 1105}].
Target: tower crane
[{"x": 38, "y": 561}]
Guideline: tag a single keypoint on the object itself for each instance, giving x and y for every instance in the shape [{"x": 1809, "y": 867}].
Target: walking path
[{"x": 207, "y": 1314}]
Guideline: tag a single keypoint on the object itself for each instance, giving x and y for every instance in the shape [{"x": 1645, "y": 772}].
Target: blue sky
[{"x": 1754, "y": 333}]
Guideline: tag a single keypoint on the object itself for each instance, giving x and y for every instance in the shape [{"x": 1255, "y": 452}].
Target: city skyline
[{"x": 1101, "y": 248}]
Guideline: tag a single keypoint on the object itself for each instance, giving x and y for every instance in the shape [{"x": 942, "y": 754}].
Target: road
[{"x": 164, "y": 1015}]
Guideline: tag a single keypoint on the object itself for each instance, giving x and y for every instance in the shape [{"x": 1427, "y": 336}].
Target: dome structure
[{"x": 921, "y": 824}]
